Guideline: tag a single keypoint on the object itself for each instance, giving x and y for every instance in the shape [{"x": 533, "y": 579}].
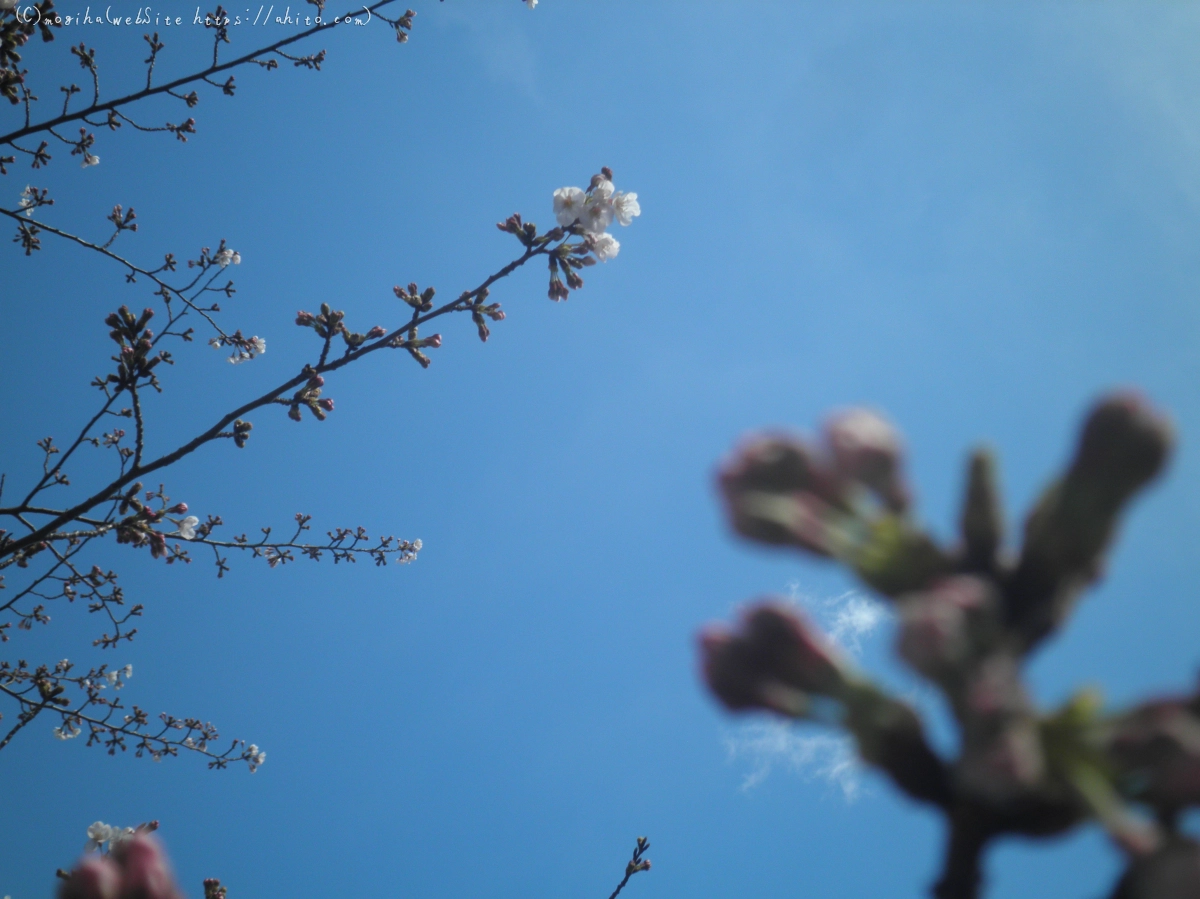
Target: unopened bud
[
  {"x": 144, "y": 869},
  {"x": 1171, "y": 872},
  {"x": 866, "y": 449},
  {"x": 943, "y": 628},
  {"x": 770, "y": 488},
  {"x": 95, "y": 877},
  {"x": 772, "y": 661},
  {"x": 1157, "y": 748}
]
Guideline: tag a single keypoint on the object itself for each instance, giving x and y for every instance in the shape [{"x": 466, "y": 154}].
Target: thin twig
[{"x": 179, "y": 82}]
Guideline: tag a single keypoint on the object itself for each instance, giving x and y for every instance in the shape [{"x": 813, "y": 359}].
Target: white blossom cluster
[
  {"x": 115, "y": 678},
  {"x": 26, "y": 202},
  {"x": 595, "y": 209},
  {"x": 100, "y": 833},
  {"x": 67, "y": 731},
  {"x": 258, "y": 346},
  {"x": 255, "y": 757},
  {"x": 227, "y": 256},
  {"x": 255, "y": 346}
]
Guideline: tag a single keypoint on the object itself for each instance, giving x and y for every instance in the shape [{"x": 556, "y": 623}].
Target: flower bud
[
  {"x": 770, "y": 488},
  {"x": 773, "y": 661},
  {"x": 95, "y": 877},
  {"x": 1171, "y": 872},
  {"x": 1002, "y": 757},
  {"x": 866, "y": 449},
  {"x": 326, "y": 404},
  {"x": 1156, "y": 746},
  {"x": 982, "y": 521},
  {"x": 144, "y": 869},
  {"x": 942, "y": 628},
  {"x": 377, "y": 331},
  {"x": 1123, "y": 445},
  {"x": 1004, "y": 766}
]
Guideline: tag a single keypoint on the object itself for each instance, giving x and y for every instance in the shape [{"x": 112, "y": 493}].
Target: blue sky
[{"x": 974, "y": 216}]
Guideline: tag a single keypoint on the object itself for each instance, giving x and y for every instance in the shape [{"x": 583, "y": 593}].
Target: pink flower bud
[
  {"x": 326, "y": 404},
  {"x": 867, "y": 449},
  {"x": 144, "y": 869},
  {"x": 377, "y": 331},
  {"x": 777, "y": 491},
  {"x": 941, "y": 628},
  {"x": 95, "y": 877},
  {"x": 304, "y": 319},
  {"x": 180, "y": 508},
  {"x": 1172, "y": 872},
  {"x": 772, "y": 662},
  {"x": 1124, "y": 443},
  {"x": 1001, "y": 766},
  {"x": 1157, "y": 747}
]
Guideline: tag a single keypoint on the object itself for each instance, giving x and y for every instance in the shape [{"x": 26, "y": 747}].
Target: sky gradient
[{"x": 973, "y": 216}]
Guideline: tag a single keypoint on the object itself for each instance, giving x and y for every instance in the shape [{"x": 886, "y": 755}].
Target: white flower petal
[
  {"x": 568, "y": 204},
  {"x": 626, "y": 207},
  {"x": 605, "y": 246}
]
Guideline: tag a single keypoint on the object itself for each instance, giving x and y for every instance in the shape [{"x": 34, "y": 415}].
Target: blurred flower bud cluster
[
  {"x": 135, "y": 867},
  {"x": 968, "y": 615}
]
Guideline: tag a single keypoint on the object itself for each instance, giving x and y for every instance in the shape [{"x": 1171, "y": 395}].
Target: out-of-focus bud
[
  {"x": 145, "y": 873},
  {"x": 1172, "y": 872},
  {"x": 890, "y": 736},
  {"x": 377, "y": 331},
  {"x": 326, "y": 404},
  {"x": 894, "y": 556},
  {"x": 1123, "y": 445},
  {"x": 866, "y": 449},
  {"x": 1156, "y": 747},
  {"x": 772, "y": 661},
  {"x": 770, "y": 486},
  {"x": 943, "y": 628},
  {"x": 1004, "y": 767},
  {"x": 982, "y": 521},
  {"x": 1002, "y": 757},
  {"x": 95, "y": 877}
]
